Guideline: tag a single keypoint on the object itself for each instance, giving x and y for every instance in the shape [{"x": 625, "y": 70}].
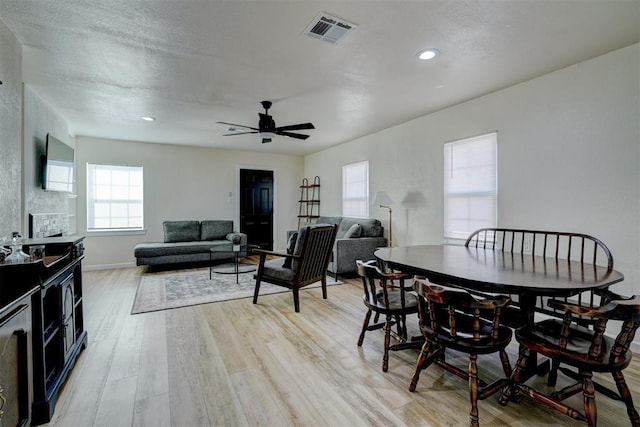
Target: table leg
[
  {"x": 528, "y": 305},
  {"x": 237, "y": 260}
]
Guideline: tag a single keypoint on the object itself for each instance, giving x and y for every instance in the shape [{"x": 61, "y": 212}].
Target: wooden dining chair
[
  {"x": 453, "y": 318},
  {"x": 309, "y": 262},
  {"x": 585, "y": 350},
  {"x": 385, "y": 294}
]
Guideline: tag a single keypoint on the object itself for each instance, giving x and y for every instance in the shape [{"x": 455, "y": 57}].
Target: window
[
  {"x": 355, "y": 190},
  {"x": 470, "y": 185},
  {"x": 114, "y": 197}
]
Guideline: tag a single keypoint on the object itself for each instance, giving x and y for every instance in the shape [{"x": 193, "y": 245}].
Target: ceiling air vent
[{"x": 328, "y": 28}]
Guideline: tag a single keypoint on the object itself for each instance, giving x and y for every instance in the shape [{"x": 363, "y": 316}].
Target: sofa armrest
[
  {"x": 235, "y": 234},
  {"x": 347, "y": 251}
]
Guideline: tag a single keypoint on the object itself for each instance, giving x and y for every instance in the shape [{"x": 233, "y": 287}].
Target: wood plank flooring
[{"x": 238, "y": 364}]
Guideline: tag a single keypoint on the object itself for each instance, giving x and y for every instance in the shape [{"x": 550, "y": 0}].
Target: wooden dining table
[
  {"x": 495, "y": 271},
  {"x": 482, "y": 270}
]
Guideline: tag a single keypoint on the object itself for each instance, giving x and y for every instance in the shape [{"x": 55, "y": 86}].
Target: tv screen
[{"x": 57, "y": 173}]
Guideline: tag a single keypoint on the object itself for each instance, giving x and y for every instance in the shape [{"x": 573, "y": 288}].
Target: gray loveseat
[
  {"x": 189, "y": 241},
  {"x": 357, "y": 238}
]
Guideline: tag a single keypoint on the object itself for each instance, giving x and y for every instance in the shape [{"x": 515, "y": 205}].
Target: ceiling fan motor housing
[{"x": 266, "y": 123}]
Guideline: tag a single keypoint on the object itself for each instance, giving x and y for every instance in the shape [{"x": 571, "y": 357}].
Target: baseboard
[{"x": 108, "y": 266}]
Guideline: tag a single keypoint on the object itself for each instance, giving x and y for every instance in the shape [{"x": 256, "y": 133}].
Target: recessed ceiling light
[
  {"x": 427, "y": 54},
  {"x": 148, "y": 118}
]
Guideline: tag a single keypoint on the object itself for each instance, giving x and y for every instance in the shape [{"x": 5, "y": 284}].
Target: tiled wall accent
[{"x": 45, "y": 225}]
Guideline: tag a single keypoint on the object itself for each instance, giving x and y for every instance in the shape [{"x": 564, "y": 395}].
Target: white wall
[
  {"x": 568, "y": 159},
  {"x": 182, "y": 182},
  {"x": 39, "y": 119},
  {"x": 10, "y": 126},
  {"x": 25, "y": 120}
]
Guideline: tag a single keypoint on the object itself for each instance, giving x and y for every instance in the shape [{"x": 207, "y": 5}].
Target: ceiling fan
[{"x": 267, "y": 127}]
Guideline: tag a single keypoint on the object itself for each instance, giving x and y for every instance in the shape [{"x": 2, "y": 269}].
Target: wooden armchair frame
[
  {"x": 454, "y": 318},
  {"x": 309, "y": 262},
  {"x": 385, "y": 293},
  {"x": 586, "y": 350}
]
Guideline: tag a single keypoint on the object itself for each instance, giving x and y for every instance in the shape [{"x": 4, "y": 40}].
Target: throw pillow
[
  {"x": 352, "y": 232},
  {"x": 291, "y": 244}
]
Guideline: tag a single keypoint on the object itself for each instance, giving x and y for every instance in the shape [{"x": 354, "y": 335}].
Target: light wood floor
[{"x": 236, "y": 364}]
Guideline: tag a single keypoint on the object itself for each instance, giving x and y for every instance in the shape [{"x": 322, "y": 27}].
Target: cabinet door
[
  {"x": 15, "y": 384},
  {"x": 68, "y": 323}
]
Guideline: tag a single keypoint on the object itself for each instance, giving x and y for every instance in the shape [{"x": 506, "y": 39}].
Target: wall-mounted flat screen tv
[{"x": 57, "y": 166}]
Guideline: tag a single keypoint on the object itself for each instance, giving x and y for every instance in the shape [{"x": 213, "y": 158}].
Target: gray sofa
[
  {"x": 190, "y": 241},
  {"x": 357, "y": 238}
]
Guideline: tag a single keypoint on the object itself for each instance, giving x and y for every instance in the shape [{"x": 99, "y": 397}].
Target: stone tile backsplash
[{"x": 50, "y": 224}]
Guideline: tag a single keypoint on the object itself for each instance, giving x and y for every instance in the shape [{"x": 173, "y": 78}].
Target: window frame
[
  {"x": 361, "y": 200},
  {"x": 129, "y": 201}
]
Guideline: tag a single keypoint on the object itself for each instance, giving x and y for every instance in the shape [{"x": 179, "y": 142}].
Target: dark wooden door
[{"x": 256, "y": 207}]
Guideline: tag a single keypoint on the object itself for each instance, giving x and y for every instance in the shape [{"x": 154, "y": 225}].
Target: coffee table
[{"x": 238, "y": 252}]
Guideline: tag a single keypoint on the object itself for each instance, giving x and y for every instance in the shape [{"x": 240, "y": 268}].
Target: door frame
[{"x": 275, "y": 197}]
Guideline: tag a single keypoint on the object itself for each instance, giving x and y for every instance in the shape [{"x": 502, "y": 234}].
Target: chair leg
[
  {"x": 506, "y": 365},
  {"x": 625, "y": 394},
  {"x": 387, "y": 340},
  {"x": 473, "y": 390},
  {"x": 256, "y": 290},
  {"x": 552, "y": 378},
  {"x": 426, "y": 357},
  {"x": 588, "y": 392},
  {"x": 365, "y": 325},
  {"x": 296, "y": 299},
  {"x": 510, "y": 390},
  {"x": 324, "y": 287}
]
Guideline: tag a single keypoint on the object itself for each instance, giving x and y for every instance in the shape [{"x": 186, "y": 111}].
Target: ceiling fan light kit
[{"x": 267, "y": 129}]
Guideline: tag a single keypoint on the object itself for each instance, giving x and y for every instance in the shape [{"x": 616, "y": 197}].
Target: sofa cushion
[
  {"x": 215, "y": 229},
  {"x": 329, "y": 220},
  {"x": 291, "y": 245},
  {"x": 370, "y": 228},
  {"x": 353, "y": 232},
  {"x": 345, "y": 225},
  {"x": 297, "y": 250},
  {"x": 181, "y": 231},
  {"x": 147, "y": 250}
]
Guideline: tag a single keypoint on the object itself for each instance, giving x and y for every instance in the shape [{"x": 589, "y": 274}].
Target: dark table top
[{"x": 496, "y": 271}]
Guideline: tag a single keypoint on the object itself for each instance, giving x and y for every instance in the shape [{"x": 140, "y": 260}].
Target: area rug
[{"x": 174, "y": 289}]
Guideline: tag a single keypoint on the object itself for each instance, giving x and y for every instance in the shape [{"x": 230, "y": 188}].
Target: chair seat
[
  {"x": 544, "y": 337},
  {"x": 395, "y": 303},
  {"x": 464, "y": 340},
  {"x": 274, "y": 269}
]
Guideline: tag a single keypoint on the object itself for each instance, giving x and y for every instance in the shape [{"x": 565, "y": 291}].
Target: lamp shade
[{"x": 382, "y": 199}]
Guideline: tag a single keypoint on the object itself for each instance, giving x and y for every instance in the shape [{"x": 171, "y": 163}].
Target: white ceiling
[{"x": 103, "y": 64}]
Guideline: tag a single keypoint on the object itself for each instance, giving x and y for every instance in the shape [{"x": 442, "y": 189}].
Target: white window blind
[
  {"x": 114, "y": 197},
  {"x": 355, "y": 190},
  {"x": 470, "y": 185}
]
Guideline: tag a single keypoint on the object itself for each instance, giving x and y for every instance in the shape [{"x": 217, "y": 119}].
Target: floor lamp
[{"x": 383, "y": 200}]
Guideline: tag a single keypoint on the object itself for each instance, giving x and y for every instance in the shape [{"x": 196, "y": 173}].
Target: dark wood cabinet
[
  {"x": 58, "y": 333},
  {"x": 16, "y": 392},
  {"x": 41, "y": 329}
]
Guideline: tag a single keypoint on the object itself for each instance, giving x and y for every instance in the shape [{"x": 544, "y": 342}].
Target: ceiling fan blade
[
  {"x": 300, "y": 126},
  {"x": 240, "y": 126},
  {"x": 239, "y": 133},
  {"x": 292, "y": 135}
]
